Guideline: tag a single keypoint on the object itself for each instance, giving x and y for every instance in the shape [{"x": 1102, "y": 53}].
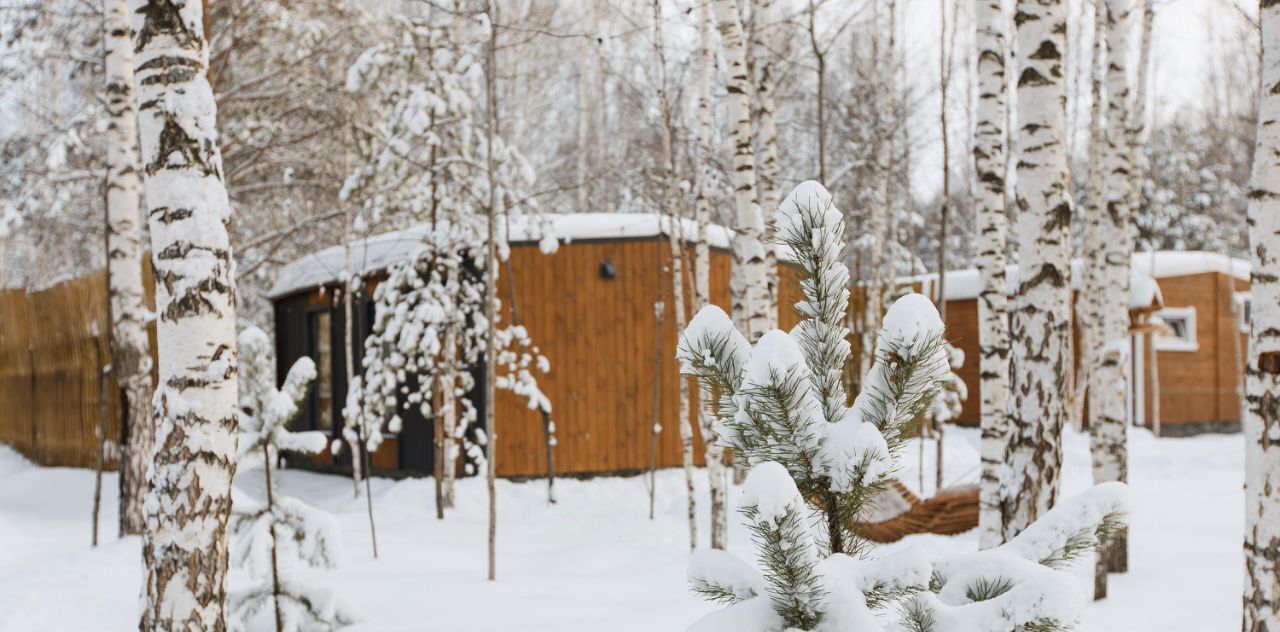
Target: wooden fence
[{"x": 52, "y": 355}]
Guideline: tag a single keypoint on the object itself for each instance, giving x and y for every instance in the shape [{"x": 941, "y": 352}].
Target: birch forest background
[{"x": 934, "y": 296}]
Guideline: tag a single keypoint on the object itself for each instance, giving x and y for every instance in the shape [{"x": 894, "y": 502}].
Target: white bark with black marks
[
  {"x": 1108, "y": 389},
  {"x": 189, "y": 483},
  {"x": 993, "y": 325},
  {"x": 765, "y": 51},
  {"x": 1262, "y": 416},
  {"x": 749, "y": 282},
  {"x": 675, "y": 239},
  {"x": 713, "y": 454},
  {"x": 1041, "y": 312},
  {"x": 130, "y": 344}
]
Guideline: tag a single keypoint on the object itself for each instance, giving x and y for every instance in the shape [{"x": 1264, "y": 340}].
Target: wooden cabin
[
  {"x": 1185, "y": 301},
  {"x": 589, "y": 305}
]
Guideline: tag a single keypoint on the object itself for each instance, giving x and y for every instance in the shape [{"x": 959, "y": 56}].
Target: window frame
[
  {"x": 313, "y": 317},
  {"x": 1243, "y": 308},
  {"x": 1168, "y": 342}
]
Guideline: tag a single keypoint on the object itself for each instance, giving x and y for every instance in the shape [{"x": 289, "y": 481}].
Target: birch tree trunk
[
  {"x": 1108, "y": 390},
  {"x": 877, "y": 220},
  {"x": 491, "y": 284},
  {"x": 1041, "y": 316},
  {"x": 1091, "y": 335},
  {"x": 676, "y": 240},
  {"x": 1138, "y": 109},
  {"x": 130, "y": 345},
  {"x": 993, "y": 333},
  {"x": 586, "y": 110},
  {"x": 189, "y": 483},
  {"x": 770, "y": 193},
  {"x": 1262, "y": 418},
  {"x": 748, "y": 283},
  {"x": 713, "y": 454},
  {"x": 348, "y": 334},
  {"x": 449, "y": 409}
]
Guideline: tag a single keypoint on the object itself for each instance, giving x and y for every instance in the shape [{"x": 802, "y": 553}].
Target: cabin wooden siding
[
  {"x": 1199, "y": 387},
  {"x": 1196, "y": 387},
  {"x": 599, "y": 336}
]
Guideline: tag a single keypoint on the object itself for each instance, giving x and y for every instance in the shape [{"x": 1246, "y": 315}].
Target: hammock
[{"x": 899, "y": 513}]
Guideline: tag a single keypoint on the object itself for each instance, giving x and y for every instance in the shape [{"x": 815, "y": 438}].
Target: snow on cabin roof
[
  {"x": 966, "y": 284},
  {"x": 379, "y": 252},
  {"x": 1172, "y": 263},
  {"x": 1143, "y": 287}
]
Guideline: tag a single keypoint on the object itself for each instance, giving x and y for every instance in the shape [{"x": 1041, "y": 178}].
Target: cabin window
[
  {"x": 1179, "y": 332},
  {"x": 1244, "y": 311},
  {"x": 322, "y": 354}
]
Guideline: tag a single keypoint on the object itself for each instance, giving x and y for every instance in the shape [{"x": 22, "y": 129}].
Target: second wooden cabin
[{"x": 1188, "y": 340}]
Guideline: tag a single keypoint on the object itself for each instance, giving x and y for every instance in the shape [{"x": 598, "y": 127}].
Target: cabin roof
[
  {"x": 378, "y": 252},
  {"x": 1172, "y": 263},
  {"x": 1144, "y": 289}
]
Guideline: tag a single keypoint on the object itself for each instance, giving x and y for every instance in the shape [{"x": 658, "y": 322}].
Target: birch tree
[
  {"x": 713, "y": 454},
  {"x": 1090, "y": 313},
  {"x": 189, "y": 482},
  {"x": 989, "y": 199},
  {"x": 491, "y": 280},
  {"x": 1262, "y": 416},
  {"x": 764, "y": 52},
  {"x": 130, "y": 344},
  {"x": 675, "y": 237},
  {"x": 748, "y": 283},
  {"x": 1108, "y": 391},
  {"x": 1041, "y": 312}
]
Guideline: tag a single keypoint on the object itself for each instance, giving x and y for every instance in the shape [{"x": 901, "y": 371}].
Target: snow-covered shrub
[
  {"x": 274, "y": 535},
  {"x": 818, "y": 463},
  {"x": 429, "y": 329}
]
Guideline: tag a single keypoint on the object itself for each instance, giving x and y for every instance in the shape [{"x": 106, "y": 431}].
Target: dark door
[{"x": 417, "y": 435}]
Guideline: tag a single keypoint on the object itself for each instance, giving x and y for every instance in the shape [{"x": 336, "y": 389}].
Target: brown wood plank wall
[
  {"x": 51, "y": 370},
  {"x": 599, "y": 336}
]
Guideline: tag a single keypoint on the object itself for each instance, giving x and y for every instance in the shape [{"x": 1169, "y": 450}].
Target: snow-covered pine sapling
[
  {"x": 784, "y": 400},
  {"x": 274, "y": 533},
  {"x": 782, "y": 408}
]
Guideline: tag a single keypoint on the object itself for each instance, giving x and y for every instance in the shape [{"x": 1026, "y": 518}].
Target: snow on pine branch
[
  {"x": 812, "y": 228},
  {"x": 266, "y": 411},
  {"x": 781, "y": 407},
  {"x": 274, "y": 535}
]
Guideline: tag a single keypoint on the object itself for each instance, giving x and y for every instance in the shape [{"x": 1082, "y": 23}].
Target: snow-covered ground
[{"x": 594, "y": 561}]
